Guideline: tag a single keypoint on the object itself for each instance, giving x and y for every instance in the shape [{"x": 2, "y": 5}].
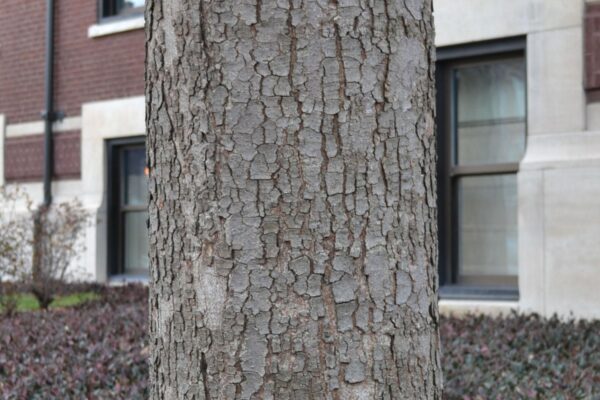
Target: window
[
  {"x": 121, "y": 8},
  {"x": 481, "y": 138},
  {"x": 128, "y": 199}
]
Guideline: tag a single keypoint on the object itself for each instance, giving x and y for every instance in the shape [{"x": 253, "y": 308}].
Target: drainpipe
[{"x": 49, "y": 115}]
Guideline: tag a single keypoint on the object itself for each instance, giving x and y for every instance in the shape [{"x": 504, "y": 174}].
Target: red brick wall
[
  {"x": 85, "y": 69},
  {"x": 592, "y": 51},
  {"x": 25, "y": 157},
  {"x": 94, "y": 69},
  {"x": 21, "y": 59}
]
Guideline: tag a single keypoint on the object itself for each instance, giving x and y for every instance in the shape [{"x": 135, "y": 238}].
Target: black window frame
[
  {"x": 448, "y": 58},
  {"x": 107, "y": 12},
  {"x": 115, "y": 187}
]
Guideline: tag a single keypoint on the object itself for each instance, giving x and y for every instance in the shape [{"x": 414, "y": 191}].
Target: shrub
[
  {"x": 57, "y": 240},
  {"x": 38, "y": 247},
  {"x": 15, "y": 230},
  {"x": 8, "y": 298},
  {"x": 15, "y": 239}
]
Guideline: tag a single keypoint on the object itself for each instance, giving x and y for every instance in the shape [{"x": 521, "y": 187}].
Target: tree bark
[{"x": 292, "y": 199}]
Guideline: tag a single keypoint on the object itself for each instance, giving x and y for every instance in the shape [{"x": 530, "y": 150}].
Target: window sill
[
  {"x": 116, "y": 26},
  {"x": 478, "y": 293},
  {"x": 490, "y": 308},
  {"x": 124, "y": 279}
]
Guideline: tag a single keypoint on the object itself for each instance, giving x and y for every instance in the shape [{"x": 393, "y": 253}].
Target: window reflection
[
  {"x": 487, "y": 228},
  {"x": 136, "y": 187},
  {"x": 491, "y": 109},
  {"x": 487, "y": 140},
  {"x": 134, "y": 209},
  {"x": 136, "y": 243},
  {"x": 129, "y": 6}
]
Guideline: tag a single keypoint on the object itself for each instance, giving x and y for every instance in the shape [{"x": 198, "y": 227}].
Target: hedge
[
  {"x": 98, "y": 350},
  {"x": 520, "y": 357}
]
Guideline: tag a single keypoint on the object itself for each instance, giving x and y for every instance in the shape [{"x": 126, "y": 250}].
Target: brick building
[
  {"x": 519, "y": 135},
  {"x": 99, "y": 86}
]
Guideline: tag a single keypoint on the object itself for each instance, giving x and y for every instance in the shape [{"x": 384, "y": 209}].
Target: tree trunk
[{"x": 292, "y": 199}]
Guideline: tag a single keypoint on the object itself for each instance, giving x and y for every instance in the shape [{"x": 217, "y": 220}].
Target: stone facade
[{"x": 558, "y": 190}]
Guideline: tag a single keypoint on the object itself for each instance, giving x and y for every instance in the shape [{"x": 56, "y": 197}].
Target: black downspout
[{"x": 49, "y": 115}]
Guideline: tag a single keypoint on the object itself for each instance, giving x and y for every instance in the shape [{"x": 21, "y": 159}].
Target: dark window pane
[
  {"x": 487, "y": 229},
  {"x": 490, "y": 112},
  {"x": 136, "y": 243},
  {"x": 136, "y": 186},
  {"x": 125, "y": 7}
]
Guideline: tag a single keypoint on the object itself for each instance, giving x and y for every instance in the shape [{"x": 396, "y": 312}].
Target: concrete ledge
[
  {"x": 113, "y": 118},
  {"x": 459, "y": 308},
  {"x": 561, "y": 150},
  {"x": 111, "y": 28},
  {"x": 122, "y": 280},
  {"x": 37, "y": 127},
  {"x": 487, "y": 19}
]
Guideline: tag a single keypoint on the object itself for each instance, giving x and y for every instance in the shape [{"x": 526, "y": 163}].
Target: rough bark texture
[{"x": 292, "y": 199}]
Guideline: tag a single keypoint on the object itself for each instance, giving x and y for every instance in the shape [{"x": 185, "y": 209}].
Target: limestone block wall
[{"x": 559, "y": 176}]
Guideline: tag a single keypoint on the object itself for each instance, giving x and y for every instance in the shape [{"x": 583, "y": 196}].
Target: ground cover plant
[
  {"x": 520, "y": 357},
  {"x": 97, "y": 350},
  {"x": 94, "y": 350}
]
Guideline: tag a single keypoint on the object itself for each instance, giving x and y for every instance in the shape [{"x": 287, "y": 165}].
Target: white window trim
[{"x": 113, "y": 27}]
